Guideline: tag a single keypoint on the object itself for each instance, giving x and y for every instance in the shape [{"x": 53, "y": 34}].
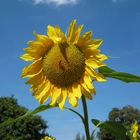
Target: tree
[
  {"x": 30, "y": 128},
  {"x": 78, "y": 137},
  {"x": 125, "y": 115}
]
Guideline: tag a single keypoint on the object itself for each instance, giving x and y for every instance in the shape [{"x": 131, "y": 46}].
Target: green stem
[
  {"x": 92, "y": 134},
  {"x": 75, "y": 113},
  {"x": 86, "y": 124}
]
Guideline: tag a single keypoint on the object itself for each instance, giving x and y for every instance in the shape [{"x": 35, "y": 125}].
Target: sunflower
[
  {"x": 63, "y": 65},
  {"x": 48, "y": 138},
  {"x": 134, "y": 129}
]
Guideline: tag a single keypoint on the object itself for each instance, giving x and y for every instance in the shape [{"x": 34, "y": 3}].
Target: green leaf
[
  {"x": 125, "y": 77},
  {"x": 37, "y": 110},
  {"x": 115, "y": 128},
  {"x": 42, "y": 108}
]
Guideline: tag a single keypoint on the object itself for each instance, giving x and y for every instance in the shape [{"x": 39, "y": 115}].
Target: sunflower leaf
[
  {"x": 37, "y": 110},
  {"x": 125, "y": 77},
  {"x": 42, "y": 108},
  {"x": 115, "y": 128}
]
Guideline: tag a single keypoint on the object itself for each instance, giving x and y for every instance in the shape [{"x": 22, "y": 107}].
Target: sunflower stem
[{"x": 86, "y": 123}]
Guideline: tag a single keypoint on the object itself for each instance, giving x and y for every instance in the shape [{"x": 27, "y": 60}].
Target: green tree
[
  {"x": 125, "y": 115},
  {"x": 30, "y": 128},
  {"x": 79, "y": 137}
]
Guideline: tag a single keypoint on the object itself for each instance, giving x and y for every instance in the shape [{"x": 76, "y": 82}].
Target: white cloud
[{"x": 56, "y": 2}]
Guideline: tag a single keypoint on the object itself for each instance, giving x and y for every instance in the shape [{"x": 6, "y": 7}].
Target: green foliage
[
  {"x": 115, "y": 128},
  {"x": 28, "y": 128},
  {"x": 82, "y": 137},
  {"x": 125, "y": 77},
  {"x": 27, "y": 114},
  {"x": 125, "y": 116},
  {"x": 79, "y": 137}
]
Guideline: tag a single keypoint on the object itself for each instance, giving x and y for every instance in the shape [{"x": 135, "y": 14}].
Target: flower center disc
[{"x": 64, "y": 65}]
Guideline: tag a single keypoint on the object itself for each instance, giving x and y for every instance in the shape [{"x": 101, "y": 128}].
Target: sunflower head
[
  {"x": 134, "y": 130},
  {"x": 48, "y": 138},
  {"x": 63, "y": 65}
]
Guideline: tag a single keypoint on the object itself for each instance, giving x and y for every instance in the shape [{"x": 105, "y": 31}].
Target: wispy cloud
[{"x": 55, "y": 2}]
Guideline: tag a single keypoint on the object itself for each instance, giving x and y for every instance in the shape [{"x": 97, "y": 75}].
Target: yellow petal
[
  {"x": 91, "y": 52},
  {"x": 62, "y": 98},
  {"x": 35, "y": 51},
  {"x": 86, "y": 43},
  {"x": 44, "y": 98},
  {"x": 51, "y": 31},
  {"x": 95, "y": 43},
  {"x": 55, "y": 34},
  {"x": 45, "y": 86},
  {"x": 74, "y": 32},
  {"x": 76, "y": 89},
  {"x": 77, "y": 34},
  {"x": 36, "y": 79},
  {"x": 71, "y": 30},
  {"x": 43, "y": 93},
  {"x": 47, "y": 42},
  {"x": 33, "y": 88},
  {"x": 97, "y": 76},
  {"x": 88, "y": 83},
  {"x": 72, "y": 99},
  {"x": 27, "y": 57},
  {"x": 87, "y": 35},
  {"x": 101, "y": 57},
  {"x": 55, "y": 94},
  {"x": 60, "y": 34},
  {"x": 32, "y": 69},
  {"x": 94, "y": 63},
  {"x": 35, "y": 43},
  {"x": 86, "y": 91},
  {"x": 85, "y": 40}
]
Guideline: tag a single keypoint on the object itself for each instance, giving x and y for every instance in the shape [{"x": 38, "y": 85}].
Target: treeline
[
  {"x": 126, "y": 115},
  {"x": 29, "y": 128}
]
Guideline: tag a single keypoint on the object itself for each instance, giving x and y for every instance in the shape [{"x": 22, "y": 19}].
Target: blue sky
[{"x": 117, "y": 22}]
